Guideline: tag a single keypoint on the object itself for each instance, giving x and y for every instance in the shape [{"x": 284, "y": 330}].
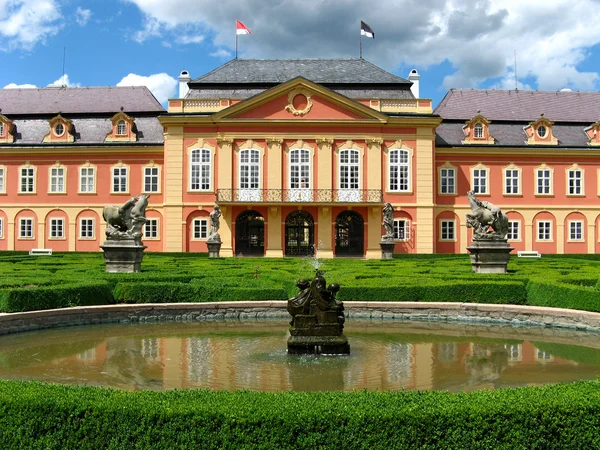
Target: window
[
  {"x": 544, "y": 181},
  {"x": 480, "y": 181},
  {"x": 575, "y": 177},
  {"x": 478, "y": 131},
  {"x": 300, "y": 169},
  {"x": 151, "y": 229},
  {"x": 1, "y": 227},
  {"x": 2, "y": 179},
  {"x": 1, "y": 129},
  {"x": 86, "y": 228},
  {"x": 401, "y": 230},
  {"x": 200, "y": 228},
  {"x": 26, "y": 228},
  {"x": 576, "y": 231},
  {"x": 57, "y": 229},
  {"x": 511, "y": 181},
  {"x": 542, "y": 355},
  {"x": 119, "y": 179},
  {"x": 59, "y": 129},
  {"x": 27, "y": 179},
  {"x": 513, "y": 351},
  {"x": 447, "y": 230},
  {"x": 542, "y": 131},
  {"x": 57, "y": 179},
  {"x": 86, "y": 180},
  {"x": 150, "y": 179},
  {"x": 349, "y": 169},
  {"x": 399, "y": 170},
  {"x": 200, "y": 166},
  {"x": 447, "y": 181},
  {"x": 121, "y": 128},
  {"x": 544, "y": 230},
  {"x": 514, "y": 230}
]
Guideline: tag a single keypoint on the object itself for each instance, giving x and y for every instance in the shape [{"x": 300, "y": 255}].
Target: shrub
[{"x": 560, "y": 295}]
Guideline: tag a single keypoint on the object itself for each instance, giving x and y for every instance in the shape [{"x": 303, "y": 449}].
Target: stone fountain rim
[{"x": 519, "y": 315}]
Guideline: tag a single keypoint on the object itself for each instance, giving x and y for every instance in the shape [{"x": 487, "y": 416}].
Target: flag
[
  {"x": 366, "y": 30},
  {"x": 240, "y": 28}
]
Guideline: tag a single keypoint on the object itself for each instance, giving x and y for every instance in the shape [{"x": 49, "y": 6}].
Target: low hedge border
[{"x": 35, "y": 415}]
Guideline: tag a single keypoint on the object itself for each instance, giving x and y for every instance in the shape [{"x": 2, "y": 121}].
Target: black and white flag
[{"x": 366, "y": 30}]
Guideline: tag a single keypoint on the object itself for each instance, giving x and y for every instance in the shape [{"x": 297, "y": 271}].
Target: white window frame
[
  {"x": 478, "y": 131},
  {"x": 349, "y": 175},
  {"x": 1, "y": 129},
  {"x": 512, "y": 180},
  {"x": 514, "y": 230},
  {"x": 56, "y": 180},
  {"x": 575, "y": 182},
  {"x": 249, "y": 175},
  {"x": 447, "y": 180},
  {"x": 149, "y": 178},
  {"x": 447, "y": 226},
  {"x": 27, "y": 180},
  {"x": 576, "y": 233},
  {"x": 84, "y": 230},
  {"x": 121, "y": 179},
  {"x": 544, "y": 181},
  {"x": 200, "y": 229},
  {"x": 121, "y": 128},
  {"x": 53, "y": 228},
  {"x": 544, "y": 231},
  {"x": 151, "y": 229},
  {"x": 84, "y": 180},
  {"x": 200, "y": 170},
  {"x": 2, "y": 180},
  {"x": 26, "y": 224},
  {"x": 401, "y": 229},
  {"x": 300, "y": 175},
  {"x": 399, "y": 179},
  {"x": 1, "y": 227},
  {"x": 480, "y": 180}
]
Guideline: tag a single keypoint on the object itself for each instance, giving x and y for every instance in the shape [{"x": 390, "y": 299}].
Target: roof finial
[
  {"x": 478, "y": 111},
  {"x": 122, "y": 108},
  {"x": 542, "y": 114}
]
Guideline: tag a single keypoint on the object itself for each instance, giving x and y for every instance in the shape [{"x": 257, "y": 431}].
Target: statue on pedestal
[
  {"x": 126, "y": 221},
  {"x": 388, "y": 222},
  {"x": 215, "y": 223},
  {"x": 486, "y": 219}
]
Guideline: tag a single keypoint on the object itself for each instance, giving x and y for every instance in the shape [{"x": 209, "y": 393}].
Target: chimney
[
  {"x": 414, "y": 77},
  {"x": 184, "y": 79}
]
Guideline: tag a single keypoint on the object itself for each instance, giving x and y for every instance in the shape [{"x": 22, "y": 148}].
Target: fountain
[{"x": 317, "y": 319}]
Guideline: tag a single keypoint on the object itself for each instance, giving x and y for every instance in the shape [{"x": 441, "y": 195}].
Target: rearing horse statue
[{"x": 485, "y": 215}]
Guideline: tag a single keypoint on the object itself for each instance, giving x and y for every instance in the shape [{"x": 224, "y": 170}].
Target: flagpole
[
  {"x": 236, "y": 44},
  {"x": 361, "y": 44}
]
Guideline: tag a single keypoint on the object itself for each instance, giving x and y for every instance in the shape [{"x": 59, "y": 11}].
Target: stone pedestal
[
  {"x": 214, "y": 248},
  {"x": 387, "y": 249},
  {"x": 489, "y": 256},
  {"x": 124, "y": 255},
  {"x": 319, "y": 333}
]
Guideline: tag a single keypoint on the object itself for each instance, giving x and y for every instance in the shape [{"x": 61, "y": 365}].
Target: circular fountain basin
[{"x": 251, "y": 354}]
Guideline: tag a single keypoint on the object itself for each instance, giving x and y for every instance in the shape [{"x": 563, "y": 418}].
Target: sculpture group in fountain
[
  {"x": 317, "y": 318},
  {"x": 123, "y": 248},
  {"x": 489, "y": 250}
]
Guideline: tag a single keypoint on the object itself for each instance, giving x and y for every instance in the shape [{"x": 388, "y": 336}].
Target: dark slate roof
[
  {"x": 239, "y": 93},
  {"x": 277, "y": 71},
  {"x": 522, "y": 106},
  {"x": 88, "y": 100},
  {"x": 450, "y": 133},
  {"x": 87, "y": 131}
]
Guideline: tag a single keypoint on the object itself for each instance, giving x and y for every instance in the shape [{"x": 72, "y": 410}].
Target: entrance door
[
  {"x": 299, "y": 234},
  {"x": 349, "y": 234},
  {"x": 250, "y": 234}
]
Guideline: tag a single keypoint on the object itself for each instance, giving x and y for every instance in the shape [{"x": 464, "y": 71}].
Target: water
[{"x": 386, "y": 355}]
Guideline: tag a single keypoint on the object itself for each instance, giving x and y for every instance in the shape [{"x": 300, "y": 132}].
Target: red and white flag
[{"x": 240, "y": 28}]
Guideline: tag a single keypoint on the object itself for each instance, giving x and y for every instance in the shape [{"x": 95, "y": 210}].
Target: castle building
[{"x": 299, "y": 155}]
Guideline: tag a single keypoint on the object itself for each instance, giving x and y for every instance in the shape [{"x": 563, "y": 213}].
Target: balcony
[{"x": 299, "y": 196}]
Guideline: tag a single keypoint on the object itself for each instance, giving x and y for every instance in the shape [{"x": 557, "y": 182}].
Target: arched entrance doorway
[
  {"x": 349, "y": 234},
  {"x": 299, "y": 234},
  {"x": 250, "y": 234}
]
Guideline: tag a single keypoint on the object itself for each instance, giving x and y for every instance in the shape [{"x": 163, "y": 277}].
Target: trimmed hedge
[
  {"x": 560, "y": 295},
  {"x": 34, "y": 415}
]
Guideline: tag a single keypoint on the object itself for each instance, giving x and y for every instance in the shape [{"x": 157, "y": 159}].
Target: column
[{"x": 274, "y": 249}]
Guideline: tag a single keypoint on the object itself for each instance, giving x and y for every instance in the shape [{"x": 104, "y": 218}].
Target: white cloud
[
  {"x": 82, "y": 16},
  {"x": 20, "y": 86},
  {"x": 190, "y": 39},
  {"x": 161, "y": 85},
  {"x": 221, "y": 53},
  {"x": 64, "y": 81},
  {"x": 477, "y": 37},
  {"x": 24, "y": 23}
]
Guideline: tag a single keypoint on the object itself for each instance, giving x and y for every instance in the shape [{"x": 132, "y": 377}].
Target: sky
[{"x": 453, "y": 44}]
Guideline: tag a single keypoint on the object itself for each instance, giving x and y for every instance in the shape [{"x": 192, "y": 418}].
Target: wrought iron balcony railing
[{"x": 299, "y": 196}]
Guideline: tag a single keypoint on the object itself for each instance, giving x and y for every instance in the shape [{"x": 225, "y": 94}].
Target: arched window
[
  {"x": 250, "y": 234},
  {"x": 349, "y": 234},
  {"x": 399, "y": 164},
  {"x": 200, "y": 169},
  {"x": 299, "y": 234},
  {"x": 478, "y": 131},
  {"x": 121, "y": 128}
]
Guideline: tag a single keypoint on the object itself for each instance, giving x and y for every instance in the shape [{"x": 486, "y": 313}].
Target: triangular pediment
[{"x": 300, "y": 99}]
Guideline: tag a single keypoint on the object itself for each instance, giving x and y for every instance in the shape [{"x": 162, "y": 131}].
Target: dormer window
[
  {"x": 6, "y": 127},
  {"x": 540, "y": 132},
  {"x": 60, "y": 130},
  {"x": 1, "y": 129},
  {"x": 593, "y": 134},
  {"x": 122, "y": 128},
  {"x": 477, "y": 131}
]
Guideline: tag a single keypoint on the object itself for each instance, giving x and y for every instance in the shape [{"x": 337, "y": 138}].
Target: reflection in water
[{"x": 386, "y": 355}]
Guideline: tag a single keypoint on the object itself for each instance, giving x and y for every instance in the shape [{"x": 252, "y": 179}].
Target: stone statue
[
  {"x": 486, "y": 219},
  {"x": 388, "y": 222},
  {"x": 126, "y": 221},
  {"x": 215, "y": 223}
]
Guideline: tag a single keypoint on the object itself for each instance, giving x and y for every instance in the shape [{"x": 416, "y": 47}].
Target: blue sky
[{"x": 461, "y": 44}]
